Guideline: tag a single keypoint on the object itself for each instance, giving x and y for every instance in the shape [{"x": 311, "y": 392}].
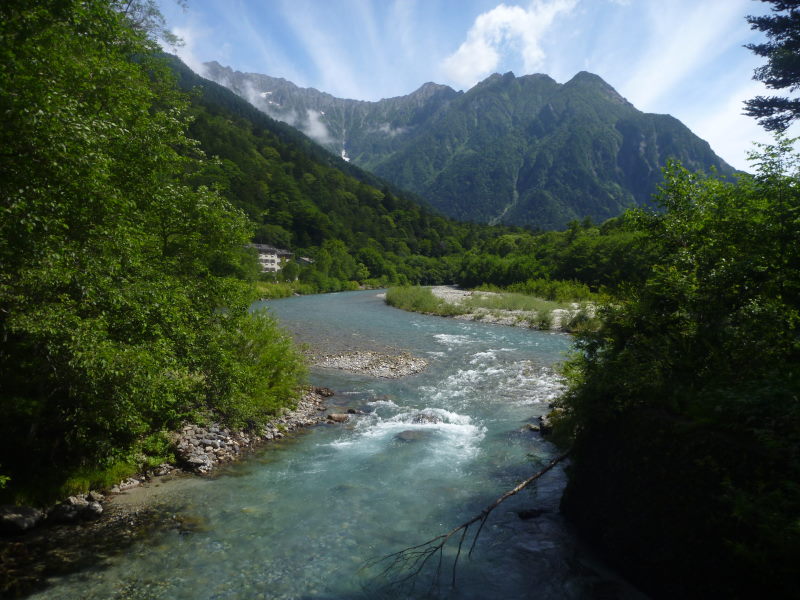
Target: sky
[{"x": 680, "y": 57}]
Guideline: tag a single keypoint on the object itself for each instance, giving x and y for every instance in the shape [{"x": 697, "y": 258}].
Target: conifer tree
[{"x": 782, "y": 51}]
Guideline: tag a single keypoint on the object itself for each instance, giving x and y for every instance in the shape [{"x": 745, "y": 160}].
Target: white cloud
[
  {"x": 500, "y": 31},
  {"x": 315, "y": 128},
  {"x": 192, "y": 36}
]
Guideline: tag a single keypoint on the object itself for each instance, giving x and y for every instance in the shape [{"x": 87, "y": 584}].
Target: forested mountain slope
[
  {"x": 516, "y": 150},
  {"x": 303, "y": 198}
]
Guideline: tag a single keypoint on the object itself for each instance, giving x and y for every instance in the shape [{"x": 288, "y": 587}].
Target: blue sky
[{"x": 681, "y": 57}]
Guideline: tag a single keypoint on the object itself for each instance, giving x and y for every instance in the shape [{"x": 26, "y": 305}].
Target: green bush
[{"x": 260, "y": 371}]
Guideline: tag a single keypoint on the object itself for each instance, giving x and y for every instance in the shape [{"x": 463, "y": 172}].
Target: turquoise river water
[{"x": 300, "y": 518}]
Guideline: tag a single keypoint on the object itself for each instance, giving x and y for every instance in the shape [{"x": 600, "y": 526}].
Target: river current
[{"x": 300, "y": 518}]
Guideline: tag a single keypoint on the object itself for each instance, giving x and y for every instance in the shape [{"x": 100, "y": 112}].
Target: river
[{"x": 299, "y": 518}]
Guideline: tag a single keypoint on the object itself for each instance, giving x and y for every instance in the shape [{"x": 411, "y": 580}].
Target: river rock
[
  {"x": 74, "y": 508},
  {"x": 129, "y": 483},
  {"x": 412, "y": 435},
  {"x": 93, "y": 510},
  {"x": 201, "y": 448},
  {"x": 16, "y": 519},
  {"x": 374, "y": 364},
  {"x": 546, "y": 421},
  {"x": 338, "y": 417}
]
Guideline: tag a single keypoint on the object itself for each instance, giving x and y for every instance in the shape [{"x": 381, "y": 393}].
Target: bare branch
[{"x": 405, "y": 565}]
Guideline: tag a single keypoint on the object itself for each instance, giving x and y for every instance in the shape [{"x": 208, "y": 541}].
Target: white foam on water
[
  {"x": 445, "y": 434},
  {"x": 377, "y": 403},
  {"x": 430, "y": 415},
  {"x": 451, "y": 339},
  {"x": 520, "y": 382},
  {"x": 481, "y": 357}
]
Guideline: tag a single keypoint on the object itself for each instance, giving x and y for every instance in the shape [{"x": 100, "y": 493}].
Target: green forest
[
  {"x": 130, "y": 189},
  {"x": 123, "y": 292}
]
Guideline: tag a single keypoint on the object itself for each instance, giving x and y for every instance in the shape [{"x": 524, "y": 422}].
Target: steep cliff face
[{"x": 516, "y": 150}]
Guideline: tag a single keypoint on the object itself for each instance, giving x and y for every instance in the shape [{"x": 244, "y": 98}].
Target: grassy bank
[
  {"x": 495, "y": 305},
  {"x": 422, "y": 300}
]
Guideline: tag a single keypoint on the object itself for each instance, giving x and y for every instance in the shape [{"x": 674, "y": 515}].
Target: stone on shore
[
  {"x": 17, "y": 519},
  {"x": 74, "y": 508},
  {"x": 200, "y": 449}
]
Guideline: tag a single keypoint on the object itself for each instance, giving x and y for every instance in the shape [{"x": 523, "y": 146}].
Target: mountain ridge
[{"x": 516, "y": 150}]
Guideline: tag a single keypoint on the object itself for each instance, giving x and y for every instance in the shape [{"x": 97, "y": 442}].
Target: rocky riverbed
[
  {"x": 375, "y": 364},
  {"x": 36, "y": 544}
]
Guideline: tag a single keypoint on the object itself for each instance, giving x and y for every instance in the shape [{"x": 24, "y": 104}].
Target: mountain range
[{"x": 514, "y": 150}]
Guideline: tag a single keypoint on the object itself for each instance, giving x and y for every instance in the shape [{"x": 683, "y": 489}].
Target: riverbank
[
  {"x": 36, "y": 544},
  {"x": 500, "y": 308},
  {"x": 198, "y": 449},
  {"x": 39, "y": 543}
]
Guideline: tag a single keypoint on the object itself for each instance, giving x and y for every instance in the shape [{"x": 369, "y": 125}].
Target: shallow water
[{"x": 300, "y": 518}]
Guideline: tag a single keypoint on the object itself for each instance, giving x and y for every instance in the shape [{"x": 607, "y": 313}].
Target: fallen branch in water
[{"x": 409, "y": 562}]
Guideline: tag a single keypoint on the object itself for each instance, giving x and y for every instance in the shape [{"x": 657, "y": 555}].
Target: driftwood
[{"x": 408, "y": 563}]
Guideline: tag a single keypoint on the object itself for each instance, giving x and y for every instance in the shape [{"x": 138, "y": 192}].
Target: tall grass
[
  {"x": 549, "y": 289},
  {"x": 420, "y": 299},
  {"x": 509, "y": 301}
]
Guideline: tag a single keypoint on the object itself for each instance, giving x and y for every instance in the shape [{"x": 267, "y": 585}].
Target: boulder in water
[{"x": 412, "y": 435}]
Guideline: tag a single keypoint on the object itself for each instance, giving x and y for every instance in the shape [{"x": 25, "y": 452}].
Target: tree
[
  {"x": 118, "y": 313},
  {"x": 782, "y": 51},
  {"x": 684, "y": 405}
]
